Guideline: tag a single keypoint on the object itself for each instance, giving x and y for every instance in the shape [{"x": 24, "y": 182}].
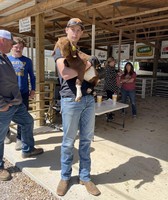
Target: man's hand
[
  {"x": 32, "y": 94},
  {"x": 5, "y": 108}
]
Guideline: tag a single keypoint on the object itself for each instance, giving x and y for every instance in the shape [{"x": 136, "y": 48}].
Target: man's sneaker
[
  {"x": 8, "y": 137},
  {"x": 34, "y": 152},
  {"x": 18, "y": 145},
  {"x": 91, "y": 187},
  {"x": 62, "y": 187},
  {"x": 4, "y": 175}
]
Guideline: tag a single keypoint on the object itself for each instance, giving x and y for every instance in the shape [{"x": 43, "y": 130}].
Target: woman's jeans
[
  {"x": 19, "y": 115},
  {"x": 131, "y": 95},
  {"x": 77, "y": 116}
]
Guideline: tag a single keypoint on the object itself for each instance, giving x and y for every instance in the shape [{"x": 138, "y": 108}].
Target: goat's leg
[{"x": 78, "y": 90}]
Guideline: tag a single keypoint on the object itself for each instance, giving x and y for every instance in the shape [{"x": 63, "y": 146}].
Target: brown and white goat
[{"x": 77, "y": 60}]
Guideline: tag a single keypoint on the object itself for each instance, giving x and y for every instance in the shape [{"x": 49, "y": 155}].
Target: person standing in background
[
  {"x": 128, "y": 86},
  {"x": 11, "y": 106},
  {"x": 110, "y": 81},
  {"x": 24, "y": 70}
]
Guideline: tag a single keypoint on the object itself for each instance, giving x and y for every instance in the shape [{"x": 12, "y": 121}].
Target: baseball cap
[
  {"x": 75, "y": 21},
  {"x": 7, "y": 35}
]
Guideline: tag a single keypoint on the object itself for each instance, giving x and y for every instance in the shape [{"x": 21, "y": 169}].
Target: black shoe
[
  {"x": 109, "y": 118},
  {"x": 34, "y": 152}
]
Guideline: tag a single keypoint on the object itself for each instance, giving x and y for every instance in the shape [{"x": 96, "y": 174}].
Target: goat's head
[{"x": 66, "y": 47}]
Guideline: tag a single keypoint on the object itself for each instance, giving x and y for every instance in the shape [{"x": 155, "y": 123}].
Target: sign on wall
[
  {"x": 144, "y": 51},
  {"x": 164, "y": 49},
  {"x": 25, "y": 25},
  {"x": 125, "y": 51},
  {"x": 100, "y": 54}
]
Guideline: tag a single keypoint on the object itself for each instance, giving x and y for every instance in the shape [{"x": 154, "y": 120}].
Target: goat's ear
[{"x": 53, "y": 53}]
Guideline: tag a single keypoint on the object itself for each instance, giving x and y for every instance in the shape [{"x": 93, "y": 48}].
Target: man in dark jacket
[{"x": 11, "y": 106}]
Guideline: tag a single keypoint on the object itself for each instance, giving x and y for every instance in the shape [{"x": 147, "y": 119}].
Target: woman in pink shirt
[{"x": 128, "y": 86}]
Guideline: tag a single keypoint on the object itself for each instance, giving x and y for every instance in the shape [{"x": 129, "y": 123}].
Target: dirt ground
[
  {"x": 21, "y": 187},
  {"x": 128, "y": 163}
]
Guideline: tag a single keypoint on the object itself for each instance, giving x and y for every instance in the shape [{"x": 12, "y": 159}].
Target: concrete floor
[{"x": 127, "y": 164}]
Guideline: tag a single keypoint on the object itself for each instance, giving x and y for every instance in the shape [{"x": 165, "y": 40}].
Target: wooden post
[
  {"x": 28, "y": 45},
  {"x": 143, "y": 88},
  {"x": 31, "y": 45},
  {"x": 93, "y": 35},
  {"x": 109, "y": 51},
  {"x": 119, "y": 48},
  {"x": 156, "y": 58},
  {"x": 39, "y": 33},
  {"x": 134, "y": 51}
]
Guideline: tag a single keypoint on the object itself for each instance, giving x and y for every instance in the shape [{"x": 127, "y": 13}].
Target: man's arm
[
  {"x": 32, "y": 79},
  {"x": 31, "y": 75},
  {"x": 65, "y": 72}
]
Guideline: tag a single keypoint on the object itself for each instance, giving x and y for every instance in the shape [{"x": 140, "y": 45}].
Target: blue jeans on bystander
[
  {"x": 131, "y": 95},
  {"x": 19, "y": 115},
  {"x": 25, "y": 99}
]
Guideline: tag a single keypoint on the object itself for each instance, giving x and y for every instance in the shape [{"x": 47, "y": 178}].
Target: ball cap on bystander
[
  {"x": 7, "y": 35},
  {"x": 74, "y": 22}
]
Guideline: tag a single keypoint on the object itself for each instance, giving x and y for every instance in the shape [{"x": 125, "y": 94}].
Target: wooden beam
[
  {"x": 98, "y": 5},
  {"x": 36, "y": 9},
  {"x": 138, "y": 5},
  {"x": 86, "y": 8},
  {"x": 16, "y": 5},
  {"x": 144, "y": 24},
  {"x": 137, "y": 14},
  {"x": 99, "y": 24}
]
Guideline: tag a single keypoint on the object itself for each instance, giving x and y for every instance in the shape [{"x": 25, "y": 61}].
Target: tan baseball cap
[{"x": 74, "y": 22}]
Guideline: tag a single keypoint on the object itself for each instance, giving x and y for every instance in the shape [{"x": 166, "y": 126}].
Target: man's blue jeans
[
  {"x": 131, "y": 95},
  {"x": 77, "y": 115},
  {"x": 19, "y": 115},
  {"x": 25, "y": 100}
]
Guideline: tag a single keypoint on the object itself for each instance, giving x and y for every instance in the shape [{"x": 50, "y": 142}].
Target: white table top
[{"x": 108, "y": 106}]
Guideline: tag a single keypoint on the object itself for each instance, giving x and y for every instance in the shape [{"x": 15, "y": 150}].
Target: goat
[{"x": 77, "y": 60}]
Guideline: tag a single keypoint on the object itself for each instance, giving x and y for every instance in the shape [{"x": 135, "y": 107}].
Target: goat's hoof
[
  {"x": 94, "y": 93},
  {"x": 77, "y": 99},
  {"x": 89, "y": 90}
]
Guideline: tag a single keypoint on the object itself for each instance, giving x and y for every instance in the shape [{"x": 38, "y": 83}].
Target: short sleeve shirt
[{"x": 68, "y": 88}]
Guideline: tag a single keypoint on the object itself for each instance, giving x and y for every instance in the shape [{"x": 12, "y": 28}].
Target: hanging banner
[
  {"x": 164, "y": 49},
  {"x": 144, "y": 51},
  {"x": 125, "y": 51},
  {"x": 25, "y": 25}
]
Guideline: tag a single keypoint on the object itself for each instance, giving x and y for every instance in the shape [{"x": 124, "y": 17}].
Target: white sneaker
[
  {"x": 8, "y": 138},
  {"x": 18, "y": 145}
]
